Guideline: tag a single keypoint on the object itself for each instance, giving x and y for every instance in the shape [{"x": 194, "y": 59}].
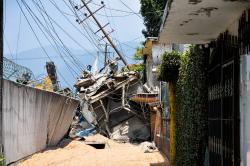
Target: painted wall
[
  {"x": 245, "y": 110},
  {"x": 158, "y": 50},
  {"x": 33, "y": 119}
]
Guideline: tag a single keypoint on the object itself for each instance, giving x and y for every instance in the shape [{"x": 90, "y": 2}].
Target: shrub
[{"x": 169, "y": 68}]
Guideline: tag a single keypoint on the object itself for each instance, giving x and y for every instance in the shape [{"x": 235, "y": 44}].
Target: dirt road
[{"x": 76, "y": 153}]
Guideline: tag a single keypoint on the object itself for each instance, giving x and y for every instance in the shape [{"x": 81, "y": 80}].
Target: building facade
[{"x": 223, "y": 27}]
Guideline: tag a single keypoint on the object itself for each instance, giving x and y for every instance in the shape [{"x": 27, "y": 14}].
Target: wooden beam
[
  {"x": 123, "y": 95},
  {"x": 106, "y": 120},
  {"x": 109, "y": 91},
  {"x": 157, "y": 131}
]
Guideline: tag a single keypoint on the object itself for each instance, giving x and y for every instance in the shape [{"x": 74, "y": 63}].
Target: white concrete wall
[
  {"x": 245, "y": 110},
  {"x": 158, "y": 50},
  {"x": 149, "y": 68},
  {"x": 33, "y": 119}
]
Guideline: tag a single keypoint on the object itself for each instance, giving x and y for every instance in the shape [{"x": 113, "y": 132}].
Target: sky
[{"x": 23, "y": 47}]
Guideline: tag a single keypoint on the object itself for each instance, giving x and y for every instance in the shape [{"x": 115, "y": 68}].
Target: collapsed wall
[{"x": 33, "y": 119}]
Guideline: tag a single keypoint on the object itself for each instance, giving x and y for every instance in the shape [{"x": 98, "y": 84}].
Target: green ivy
[
  {"x": 191, "y": 113},
  {"x": 169, "y": 68},
  {"x": 1, "y": 159},
  {"x": 134, "y": 67}
]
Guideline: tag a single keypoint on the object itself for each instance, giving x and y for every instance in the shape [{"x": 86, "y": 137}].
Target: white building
[{"x": 224, "y": 26}]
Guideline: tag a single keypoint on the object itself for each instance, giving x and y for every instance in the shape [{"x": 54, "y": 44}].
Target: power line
[
  {"x": 105, "y": 33},
  {"x": 116, "y": 39},
  {"x": 118, "y": 10},
  {"x": 18, "y": 35},
  {"x": 129, "y": 12},
  {"x": 139, "y": 37},
  {"x": 37, "y": 21},
  {"x": 126, "y": 15},
  {"x": 84, "y": 25},
  {"x": 39, "y": 42},
  {"x": 63, "y": 13},
  {"x": 57, "y": 49},
  {"x": 6, "y": 41},
  {"x": 76, "y": 62},
  {"x": 5, "y": 16},
  {"x": 130, "y": 9},
  {"x": 116, "y": 36},
  {"x": 97, "y": 25},
  {"x": 42, "y": 57},
  {"x": 129, "y": 46}
]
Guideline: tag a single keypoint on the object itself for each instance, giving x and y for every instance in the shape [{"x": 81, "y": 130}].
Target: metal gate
[{"x": 223, "y": 105}]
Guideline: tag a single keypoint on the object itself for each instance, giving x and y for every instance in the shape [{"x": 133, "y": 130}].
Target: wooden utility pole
[
  {"x": 105, "y": 33},
  {"x": 105, "y": 54}
]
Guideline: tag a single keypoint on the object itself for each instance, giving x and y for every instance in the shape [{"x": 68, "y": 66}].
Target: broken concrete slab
[{"x": 131, "y": 130}]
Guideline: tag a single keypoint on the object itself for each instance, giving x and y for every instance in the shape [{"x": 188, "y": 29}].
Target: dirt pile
[{"x": 77, "y": 153}]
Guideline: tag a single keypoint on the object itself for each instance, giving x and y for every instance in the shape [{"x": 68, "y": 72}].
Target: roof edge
[{"x": 165, "y": 15}]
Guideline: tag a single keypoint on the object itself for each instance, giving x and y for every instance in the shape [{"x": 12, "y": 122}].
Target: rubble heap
[{"x": 107, "y": 107}]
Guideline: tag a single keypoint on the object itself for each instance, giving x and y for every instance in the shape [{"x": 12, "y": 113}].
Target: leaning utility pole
[
  {"x": 105, "y": 54},
  {"x": 104, "y": 32}
]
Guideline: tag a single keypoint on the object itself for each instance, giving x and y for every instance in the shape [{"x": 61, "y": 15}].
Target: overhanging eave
[{"x": 199, "y": 21}]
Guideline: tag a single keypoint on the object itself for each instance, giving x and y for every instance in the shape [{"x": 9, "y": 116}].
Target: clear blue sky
[{"x": 19, "y": 40}]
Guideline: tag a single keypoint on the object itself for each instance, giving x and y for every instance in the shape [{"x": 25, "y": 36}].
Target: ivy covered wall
[{"x": 191, "y": 111}]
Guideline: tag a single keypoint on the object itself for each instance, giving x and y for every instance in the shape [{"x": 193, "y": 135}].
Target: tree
[
  {"x": 152, "y": 11},
  {"x": 138, "y": 54}
]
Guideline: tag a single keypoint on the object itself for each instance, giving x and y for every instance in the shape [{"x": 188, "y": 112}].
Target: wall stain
[
  {"x": 206, "y": 10},
  {"x": 192, "y": 34},
  {"x": 186, "y": 21},
  {"x": 194, "y": 2}
]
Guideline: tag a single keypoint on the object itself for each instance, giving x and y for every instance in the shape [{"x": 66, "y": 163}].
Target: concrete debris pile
[{"x": 107, "y": 107}]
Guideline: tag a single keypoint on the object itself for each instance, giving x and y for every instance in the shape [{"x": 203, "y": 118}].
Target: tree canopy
[{"x": 152, "y": 11}]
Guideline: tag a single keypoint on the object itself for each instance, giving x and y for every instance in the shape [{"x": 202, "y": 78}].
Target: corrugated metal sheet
[{"x": 33, "y": 119}]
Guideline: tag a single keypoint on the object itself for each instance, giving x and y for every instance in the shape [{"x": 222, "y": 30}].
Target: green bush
[
  {"x": 1, "y": 159},
  {"x": 134, "y": 67},
  {"x": 191, "y": 113},
  {"x": 169, "y": 68}
]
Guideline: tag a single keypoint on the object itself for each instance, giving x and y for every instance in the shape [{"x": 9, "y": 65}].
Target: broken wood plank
[
  {"x": 106, "y": 118},
  {"x": 157, "y": 132},
  {"x": 123, "y": 95}
]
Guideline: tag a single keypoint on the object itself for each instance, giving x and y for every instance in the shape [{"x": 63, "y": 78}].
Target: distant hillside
[{"x": 35, "y": 59}]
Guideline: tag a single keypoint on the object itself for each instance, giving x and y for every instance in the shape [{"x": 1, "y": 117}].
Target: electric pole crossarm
[
  {"x": 102, "y": 27},
  {"x": 105, "y": 34},
  {"x": 78, "y": 8},
  {"x": 103, "y": 37}
]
